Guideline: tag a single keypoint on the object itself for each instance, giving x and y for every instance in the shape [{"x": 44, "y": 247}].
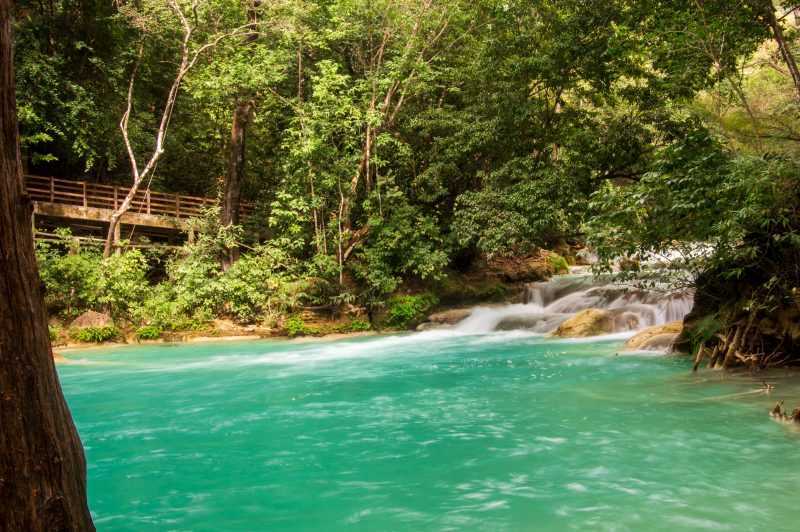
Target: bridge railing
[{"x": 85, "y": 194}]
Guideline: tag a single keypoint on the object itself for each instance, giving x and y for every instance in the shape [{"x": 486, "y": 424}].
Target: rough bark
[
  {"x": 42, "y": 467},
  {"x": 235, "y": 174},
  {"x": 242, "y": 113}
]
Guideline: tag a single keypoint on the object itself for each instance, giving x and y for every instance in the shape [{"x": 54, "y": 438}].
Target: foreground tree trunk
[
  {"x": 235, "y": 174},
  {"x": 42, "y": 468}
]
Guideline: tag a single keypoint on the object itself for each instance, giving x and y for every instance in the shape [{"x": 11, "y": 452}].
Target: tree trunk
[
  {"x": 42, "y": 467},
  {"x": 786, "y": 53},
  {"x": 235, "y": 174}
]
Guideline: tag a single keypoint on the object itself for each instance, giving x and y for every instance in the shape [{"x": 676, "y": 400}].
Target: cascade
[{"x": 549, "y": 303}]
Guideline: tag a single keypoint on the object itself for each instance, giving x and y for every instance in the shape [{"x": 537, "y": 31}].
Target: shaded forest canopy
[{"x": 388, "y": 144}]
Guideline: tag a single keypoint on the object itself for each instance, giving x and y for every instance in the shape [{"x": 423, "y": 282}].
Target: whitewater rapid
[{"x": 548, "y": 304}]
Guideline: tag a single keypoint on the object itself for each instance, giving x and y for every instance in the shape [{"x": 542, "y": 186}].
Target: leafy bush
[
  {"x": 403, "y": 242},
  {"x": 95, "y": 334},
  {"x": 122, "y": 283},
  {"x": 533, "y": 210},
  {"x": 264, "y": 281},
  {"x": 407, "y": 310},
  {"x": 54, "y": 331},
  {"x": 148, "y": 332},
  {"x": 69, "y": 277},
  {"x": 559, "y": 263},
  {"x": 295, "y": 326},
  {"x": 354, "y": 326}
]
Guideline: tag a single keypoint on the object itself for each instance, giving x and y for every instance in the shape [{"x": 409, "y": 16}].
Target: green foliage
[
  {"x": 54, "y": 332},
  {"x": 261, "y": 283},
  {"x": 402, "y": 244},
  {"x": 122, "y": 283},
  {"x": 70, "y": 277},
  {"x": 148, "y": 332},
  {"x": 95, "y": 334},
  {"x": 703, "y": 331},
  {"x": 355, "y": 326},
  {"x": 295, "y": 326},
  {"x": 559, "y": 263},
  {"x": 516, "y": 212},
  {"x": 404, "y": 311}
]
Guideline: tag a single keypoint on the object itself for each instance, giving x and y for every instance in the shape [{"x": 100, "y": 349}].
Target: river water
[{"x": 440, "y": 430}]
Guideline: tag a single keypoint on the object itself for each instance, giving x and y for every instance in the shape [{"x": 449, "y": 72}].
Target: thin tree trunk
[
  {"x": 235, "y": 174},
  {"x": 188, "y": 60},
  {"x": 42, "y": 467},
  {"x": 786, "y": 53}
]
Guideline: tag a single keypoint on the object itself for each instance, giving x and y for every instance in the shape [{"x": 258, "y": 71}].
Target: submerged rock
[
  {"x": 589, "y": 322},
  {"x": 90, "y": 318},
  {"x": 656, "y": 338}
]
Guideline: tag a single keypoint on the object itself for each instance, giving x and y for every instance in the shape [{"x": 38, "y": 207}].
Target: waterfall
[{"x": 548, "y": 304}]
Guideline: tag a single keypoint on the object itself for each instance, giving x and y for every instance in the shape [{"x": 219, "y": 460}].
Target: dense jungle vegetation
[{"x": 390, "y": 145}]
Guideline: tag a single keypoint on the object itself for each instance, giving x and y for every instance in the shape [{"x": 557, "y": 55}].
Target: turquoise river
[{"x": 428, "y": 431}]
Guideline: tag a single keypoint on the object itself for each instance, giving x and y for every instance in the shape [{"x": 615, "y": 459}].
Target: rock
[
  {"x": 450, "y": 317},
  {"x": 521, "y": 269},
  {"x": 91, "y": 318},
  {"x": 589, "y": 322},
  {"x": 657, "y": 338},
  {"x": 585, "y": 257},
  {"x": 444, "y": 319}
]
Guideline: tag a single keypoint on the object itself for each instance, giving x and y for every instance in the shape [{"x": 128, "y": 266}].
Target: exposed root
[{"x": 780, "y": 414}]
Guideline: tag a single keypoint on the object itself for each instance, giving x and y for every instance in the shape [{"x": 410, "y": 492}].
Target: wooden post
[
  {"x": 115, "y": 197},
  {"x": 85, "y": 203},
  {"x": 147, "y": 199},
  {"x": 52, "y": 190},
  {"x": 177, "y": 206}
]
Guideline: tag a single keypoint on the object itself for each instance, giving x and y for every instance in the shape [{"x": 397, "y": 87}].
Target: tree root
[{"x": 780, "y": 414}]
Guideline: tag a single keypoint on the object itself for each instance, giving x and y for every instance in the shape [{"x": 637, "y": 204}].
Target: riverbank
[
  {"x": 59, "y": 351},
  {"x": 496, "y": 282}
]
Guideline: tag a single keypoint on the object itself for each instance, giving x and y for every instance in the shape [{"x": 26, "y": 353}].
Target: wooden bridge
[{"x": 87, "y": 207}]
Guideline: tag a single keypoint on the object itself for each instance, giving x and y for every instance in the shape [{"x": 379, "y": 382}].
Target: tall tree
[
  {"x": 42, "y": 467},
  {"x": 234, "y": 175}
]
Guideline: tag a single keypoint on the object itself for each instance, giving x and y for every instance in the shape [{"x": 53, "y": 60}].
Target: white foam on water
[{"x": 552, "y": 302}]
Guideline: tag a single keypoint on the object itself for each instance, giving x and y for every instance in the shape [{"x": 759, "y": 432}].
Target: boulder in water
[
  {"x": 589, "y": 322},
  {"x": 90, "y": 318},
  {"x": 444, "y": 319},
  {"x": 450, "y": 317},
  {"x": 656, "y": 338}
]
